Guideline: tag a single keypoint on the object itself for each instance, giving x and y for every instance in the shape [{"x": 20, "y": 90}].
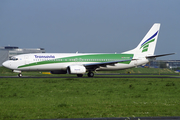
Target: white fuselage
[
  {"x": 56, "y": 61},
  {"x": 78, "y": 63}
]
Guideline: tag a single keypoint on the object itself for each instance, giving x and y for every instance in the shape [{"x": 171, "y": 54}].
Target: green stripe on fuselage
[{"x": 84, "y": 58}]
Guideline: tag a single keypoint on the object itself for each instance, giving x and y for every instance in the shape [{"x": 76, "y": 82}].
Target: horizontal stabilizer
[{"x": 154, "y": 56}]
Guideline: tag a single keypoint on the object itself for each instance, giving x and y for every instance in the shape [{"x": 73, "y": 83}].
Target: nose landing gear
[
  {"x": 19, "y": 72},
  {"x": 19, "y": 75}
]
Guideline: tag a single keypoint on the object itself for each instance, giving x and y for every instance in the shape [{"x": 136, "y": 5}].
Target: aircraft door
[
  {"x": 136, "y": 63},
  {"x": 26, "y": 59}
]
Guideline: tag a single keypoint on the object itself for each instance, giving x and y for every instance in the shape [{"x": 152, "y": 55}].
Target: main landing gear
[
  {"x": 79, "y": 75},
  {"x": 90, "y": 74}
]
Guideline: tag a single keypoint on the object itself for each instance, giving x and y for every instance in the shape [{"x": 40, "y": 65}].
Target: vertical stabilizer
[{"x": 148, "y": 43}]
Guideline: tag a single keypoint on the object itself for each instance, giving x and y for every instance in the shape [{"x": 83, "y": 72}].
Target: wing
[{"x": 94, "y": 66}]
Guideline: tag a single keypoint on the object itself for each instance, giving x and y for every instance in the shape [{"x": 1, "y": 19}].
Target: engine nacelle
[
  {"x": 58, "y": 72},
  {"x": 76, "y": 69}
]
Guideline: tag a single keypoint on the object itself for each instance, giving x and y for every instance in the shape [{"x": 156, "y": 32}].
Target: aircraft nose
[{"x": 5, "y": 64}]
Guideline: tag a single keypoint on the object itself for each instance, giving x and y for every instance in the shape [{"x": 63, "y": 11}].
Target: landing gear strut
[{"x": 90, "y": 74}]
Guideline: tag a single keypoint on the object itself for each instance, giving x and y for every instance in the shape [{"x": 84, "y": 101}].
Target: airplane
[{"x": 80, "y": 63}]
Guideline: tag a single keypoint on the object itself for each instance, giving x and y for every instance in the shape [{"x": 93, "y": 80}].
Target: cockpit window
[{"x": 13, "y": 58}]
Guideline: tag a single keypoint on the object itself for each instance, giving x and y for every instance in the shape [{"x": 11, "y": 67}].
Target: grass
[{"x": 48, "y": 98}]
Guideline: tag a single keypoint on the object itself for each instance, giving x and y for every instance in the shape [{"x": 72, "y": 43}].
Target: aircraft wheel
[
  {"x": 79, "y": 75},
  {"x": 90, "y": 74},
  {"x": 19, "y": 75}
]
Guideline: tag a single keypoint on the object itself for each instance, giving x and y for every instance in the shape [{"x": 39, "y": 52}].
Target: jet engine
[{"x": 76, "y": 69}]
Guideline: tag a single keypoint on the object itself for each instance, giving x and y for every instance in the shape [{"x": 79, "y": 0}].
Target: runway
[{"x": 101, "y": 76}]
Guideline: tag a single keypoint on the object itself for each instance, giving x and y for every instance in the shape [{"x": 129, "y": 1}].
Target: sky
[{"x": 89, "y": 26}]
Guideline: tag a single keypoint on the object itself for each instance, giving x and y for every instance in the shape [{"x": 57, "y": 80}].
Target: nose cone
[{"x": 6, "y": 64}]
